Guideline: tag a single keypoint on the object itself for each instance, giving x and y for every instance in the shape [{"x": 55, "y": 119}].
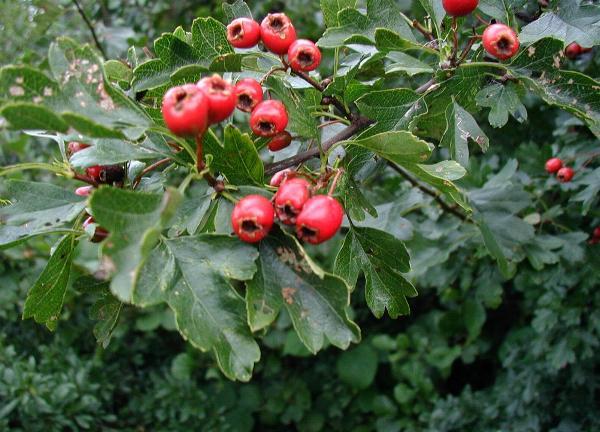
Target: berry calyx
[
  {"x": 564, "y": 175},
  {"x": 106, "y": 173},
  {"x": 277, "y": 33},
  {"x": 280, "y": 141},
  {"x": 84, "y": 190},
  {"x": 457, "y": 8},
  {"x": 185, "y": 110},
  {"x": 280, "y": 176},
  {"x": 75, "y": 146},
  {"x": 290, "y": 199},
  {"x": 252, "y": 218},
  {"x": 243, "y": 33},
  {"x": 98, "y": 234},
  {"x": 319, "y": 220},
  {"x": 249, "y": 93},
  {"x": 221, "y": 97},
  {"x": 304, "y": 55},
  {"x": 268, "y": 118},
  {"x": 501, "y": 41},
  {"x": 553, "y": 165}
]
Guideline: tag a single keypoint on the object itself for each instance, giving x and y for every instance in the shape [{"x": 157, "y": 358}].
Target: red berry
[
  {"x": 221, "y": 97},
  {"x": 99, "y": 232},
  {"x": 277, "y": 33},
  {"x": 185, "y": 110},
  {"x": 553, "y": 165},
  {"x": 458, "y": 8},
  {"x": 252, "y": 218},
  {"x": 268, "y": 118},
  {"x": 304, "y": 55},
  {"x": 500, "y": 41},
  {"x": 74, "y": 147},
  {"x": 596, "y": 233},
  {"x": 106, "y": 173},
  {"x": 564, "y": 175},
  {"x": 319, "y": 220},
  {"x": 280, "y": 176},
  {"x": 84, "y": 190},
  {"x": 280, "y": 141},
  {"x": 290, "y": 199},
  {"x": 249, "y": 93},
  {"x": 573, "y": 50},
  {"x": 243, "y": 33}
]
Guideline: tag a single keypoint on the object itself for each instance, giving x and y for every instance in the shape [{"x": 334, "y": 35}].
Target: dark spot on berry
[
  {"x": 308, "y": 233},
  {"x": 276, "y": 23},
  {"x": 288, "y": 213},
  {"x": 305, "y": 58},
  {"x": 245, "y": 101},
  {"x": 236, "y": 31},
  {"x": 266, "y": 127},
  {"x": 250, "y": 226}
]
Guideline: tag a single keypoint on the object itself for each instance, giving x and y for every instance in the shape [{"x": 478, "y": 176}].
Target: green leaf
[
  {"x": 209, "y": 313},
  {"x": 316, "y": 301},
  {"x": 397, "y": 146},
  {"x": 461, "y": 126},
  {"x": 357, "y": 367},
  {"x": 401, "y": 62},
  {"x": 45, "y": 298},
  {"x": 568, "y": 20},
  {"x": 474, "y": 316},
  {"x": 135, "y": 221},
  {"x": 590, "y": 194},
  {"x": 36, "y": 209},
  {"x": 118, "y": 71},
  {"x": 331, "y": 9},
  {"x": 441, "y": 176},
  {"x": 367, "y": 250},
  {"x": 238, "y": 159},
  {"x": 503, "y": 100},
  {"x": 354, "y": 27},
  {"x": 388, "y": 40},
  {"x": 29, "y": 116},
  {"x": 436, "y": 11},
  {"x": 237, "y": 9},
  {"x": 111, "y": 151}
]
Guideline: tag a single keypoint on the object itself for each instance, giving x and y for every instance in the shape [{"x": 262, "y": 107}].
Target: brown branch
[
  {"x": 418, "y": 26},
  {"x": 357, "y": 125},
  {"x": 466, "y": 50},
  {"x": 454, "y": 41},
  {"x": 90, "y": 27},
  {"x": 321, "y": 87},
  {"x": 425, "y": 86},
  {"x": 149, "y": 168},
  {"x": 436, "y": 196}
]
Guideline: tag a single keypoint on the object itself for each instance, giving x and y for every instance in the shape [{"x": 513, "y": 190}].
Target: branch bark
[{"x": 90, "y": 26}]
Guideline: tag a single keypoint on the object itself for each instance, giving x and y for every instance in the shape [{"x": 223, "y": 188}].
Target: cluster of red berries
[
  {"x": 499, "y": 40},
  {"x": 316, "y": 218},
  {"x": 574, "y": 50},
  {"x": 278, "y": 35},
  {"x": 99, "y": 174},
  {"x": 563, "y": 174},
  {"x": 595, "y": 236}
]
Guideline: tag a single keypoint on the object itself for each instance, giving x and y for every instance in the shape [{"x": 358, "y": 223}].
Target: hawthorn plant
[{"x": 204, "y": 169}]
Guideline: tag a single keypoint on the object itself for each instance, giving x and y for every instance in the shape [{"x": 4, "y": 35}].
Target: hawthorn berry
[
  {"x": 106, "y": 173},
  {"x": 249, "y": 93},
  {"x": 277, "y": 33},
  {"x": 221, "y": 97},
  {"x": 185, "y": 110},
  {"x": 304, "y": 55},
  {"x": 290, "y": 199},
  {"x": 252, "y": 218},
  {"x": 319, "y": 220},
  {"x": 573, "y": 50},
  {"x": 99, "y": 233},
  {"x": 565, "y": 174},
  {"x": 280, "y": 176},
  {"x": 280, "y": 141},
  {"x": 84, "y": 190},
  {"x": 268, "y": 118},
  {"x": 75, "y": 146},
  {"x": 457, "y": 8},
  {"x": 553, "y": 165},
  {"x": 243, "y": 33},
  {"x": 501, "y": 41}
]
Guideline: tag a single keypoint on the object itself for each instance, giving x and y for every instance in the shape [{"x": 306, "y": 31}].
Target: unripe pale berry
[
  {"x": 565, "y": 174},
  {"x": 269, "y": 118},
  {"x": 280, "y": 141},
  {"x": 249, "y": 93},
  {"x": 280, "y": 176},
  {"x": 319, "y": 220},
  {"x": 252, "y": 218},
  {"x": 243, "y": 33},
  {"x": 500, "y": 41},
  {"x": 553, "y": 165},
  {"x": 458, "y": 8},
  {"x": 304, "y": 55},
  {"x": 277, "y": 33},
  {"x": 84, "y": 190},
  {"x": 221, "y": 97},
  {"x": 185, "y": 110},
  {"x": 99, "y": 232},
  {"x": 75, "y": 146},
  {"x": 290, "y": 199}
]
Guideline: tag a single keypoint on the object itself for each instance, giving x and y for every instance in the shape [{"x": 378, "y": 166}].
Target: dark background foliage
[{"x": 477, "y": 353}]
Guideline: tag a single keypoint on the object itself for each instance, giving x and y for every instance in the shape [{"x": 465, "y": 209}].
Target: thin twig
[
  {"x": 199, "y": 152},
  {"x": 84, "y": 178},
  {"x": 90, "y": 26},
  {"x": 454, "y": 40},
  {"x": 466, "y": 50},
  {"x": 335, "y": 181},
  {"x": 425, "y": 86},
  {"x": 436, "y": 196},
  {"x": 330, "y": 99},
  {"x": 419, "y": 27},
  {"x": 149, "y": 168}
]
